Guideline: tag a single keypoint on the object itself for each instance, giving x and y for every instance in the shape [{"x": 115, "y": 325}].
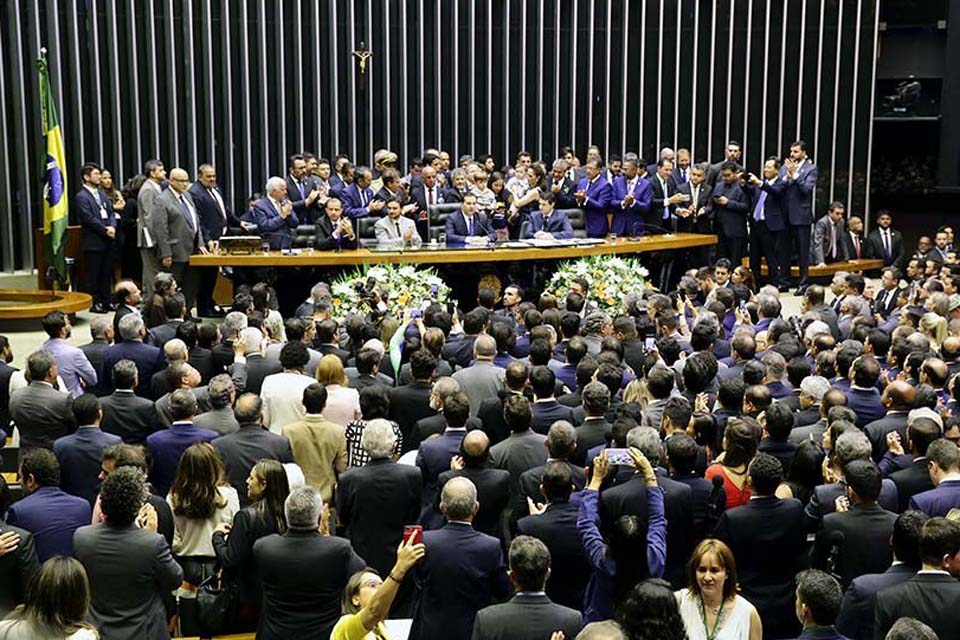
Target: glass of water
[
  {"x": 443, "y": 238},
  {"x": 309, "y": 246},
  {"x": 613, "y": 237},
  {"x": 265, "y": 247}
]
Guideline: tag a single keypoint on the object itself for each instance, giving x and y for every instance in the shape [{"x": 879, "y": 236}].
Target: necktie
[
  {"x": 683, "y": 175},
  {"x": 856, "y": 244},
  {"x": 471, "y": 226},
  {"x": 186, "y": 209},
  {"x": 833, "y": 241},
  {"x": 886, "y": 242},
  {"x": 666, "y": 209},
  {"x": 219, "y": 201},
  {"x": 430, "y": 196},
  {"x": 396, "y": 223},
  {"x": 300, "y": 189},
  {"x": 758, "y": 210},
  {"x": 363, "y": 197}
]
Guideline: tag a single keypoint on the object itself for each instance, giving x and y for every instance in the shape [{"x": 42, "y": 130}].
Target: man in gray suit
[
  {"x": 129, "y": 564},
  {"x": 178, "y": 233},
  {"x": 524, "y": 448},
  {"x": 828, "y": 234},
  {"x": 482, "y": 379},
  {"x": 530, "y": 613},
  {"x": 220, "y": 418},
  {"x": 152, "y": 186},
  {"x": 41, "y": 412},
  {"x": 395, "y": 226}
]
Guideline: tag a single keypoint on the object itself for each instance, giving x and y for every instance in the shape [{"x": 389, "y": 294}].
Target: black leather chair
[
  {"x": 365, "y": 227},
  {"x": 304, "y": 233},
  {"x": 578, "y": 221},
  {"x": 438, "y": 217}
]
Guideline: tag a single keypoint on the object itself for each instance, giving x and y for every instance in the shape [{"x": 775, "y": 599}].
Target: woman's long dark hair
[
  {"x": 276, "y": 488},
  {"x": 195, "y": 492},
  {"x": 57, "y": 599},
  {"x": 806, "y": 470},
  {"x": 628, "y": 549},
  {"x": 649, "y": 611}
]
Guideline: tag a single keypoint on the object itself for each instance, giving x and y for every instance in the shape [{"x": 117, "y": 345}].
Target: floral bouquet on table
[
  {"x": 399, "y": 287},
  {"x": 610, "y": 278}
]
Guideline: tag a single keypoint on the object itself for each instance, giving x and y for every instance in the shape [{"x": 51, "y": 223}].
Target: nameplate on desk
[{"x": 240, "y": 245}]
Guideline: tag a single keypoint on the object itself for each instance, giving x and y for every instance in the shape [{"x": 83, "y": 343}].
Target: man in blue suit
[
  {"x": 818, "y": 601},
  {"x": 730, "y": 205},
  {"x": 463, "y": 573},
  {"x": 768, "y": 228},
  {"x": 215, "y": 217},
  {"x": 469, "y": 226},
  {"x": 273, "y": 215},
  {"x": 167, "y": 445},
  {"x": 434, "y": 455},
  {"x": 303, "y": 189},
  {"x": 944, "y": 466},
  {"x": 800, "y": 174},
  {"x": 46, "y": 511},
  {"x": 359, "y": 200},
  {"x": 148, "y": 358},
  {"x": 97, "y": 220},
  {"x": 547, "y": 222},
  {"x": 632, "y": 196},
  {"x": 79, "y": 453},
  {"x": 863, "y": 396},
  {"x": 594, "y": 196}
]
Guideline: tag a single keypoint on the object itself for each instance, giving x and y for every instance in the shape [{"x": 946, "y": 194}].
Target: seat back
[{"x": 578, "y": 221}]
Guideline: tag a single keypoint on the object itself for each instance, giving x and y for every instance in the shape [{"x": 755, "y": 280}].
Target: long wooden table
[{"x": 430, "y": 254}]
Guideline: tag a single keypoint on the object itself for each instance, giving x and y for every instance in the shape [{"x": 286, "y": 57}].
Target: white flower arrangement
[
  {"x": 611, "y": 278},
  {"x": 401, "y": 287}
]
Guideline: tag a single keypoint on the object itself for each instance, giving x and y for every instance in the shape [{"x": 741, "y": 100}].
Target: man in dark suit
[
  {"x": 547, "y": 222},
  {"x": 434, "y": 455},
  {"x": 885, "y": 300},
  {"x": 149, "y": 359},
  {"x": 491, "y": 409},
  {"x": 359, "y": 199},
  {"x": 731, "y": 153},
  {"x": 818, "y": 601},
  {"x": 79, "y": 453},
  {"x": 561, "y": 443},
  {"x": 177, "y": 229},
  {"x": 302, "y": 189},
  {"x": 857, "y": 538},
  {"x": 530, "y": 613},
  {"x": 127, "y": 298},
  {"x": 853, "y": 238},
  {"x": 729, "y": 206},
  {"x": 898, "y": 398},
  {"x": 126, "y": 414},
  {"x": 175, "y": 308},
  {"x": 303, "y": 572},
  {"x": 327, "y": 341},
  {"x": 594, "y": 196},
  {"x": 334, "y": 231},
  {"x": 594, "y": 429},
  {"x": 493, "y": 485},
  {"x": 46, "y": 511},
  {"x": 241, "y": 450},
  {"x": 932, "y": 595},
  {"x": 556, "y": 526},
  {"x": 943, "y": 459},
  {"x": 463, "y": 572},
  {"x": 375, "y": 501},
  {"x": 17, "y": 566},
  {"x": 709, "y": 499},
  {"x": 767, "y": 535},
  {"x": 800, "y": 174},
  {"x": 546, "y": 409},
  {"x": 426, "y": 194},
  {"x": 6, "y": 373},
  {"x": 921, "y": 433},
  {"x": 166, "y": 446},
  {"x": 561, "y": 186},
  {"x": 468, "y": 225},
  {"x": 863, "y": 396},
  {"x": 885, "y": 243},
  {"x": 860, "y": 599},
  {"x": 101, "y": 334},
  {"x": 99, "y": 227},
  {"x": 664, "y": 198},
  {"x": 215, "y": 218},
  {"x": 41, "y": 412},
  {"x": 257, "y": 365},
  {"x": 524, "y": 448},
  {"x": 272, "y": 216},
  {"x": 827, "y": 244},
  {"x": 125, "y": 544},
  {"x": 768, "y": 224},
  {"x": 411, "y": 402},
  {"x": 631, "y": 199}
]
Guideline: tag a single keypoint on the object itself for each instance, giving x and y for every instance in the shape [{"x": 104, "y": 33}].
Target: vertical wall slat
[
  {"x": 853, "y": 110},
  {"x": 746, "y": 84},
  {"x": 113, "y": 56},
  {"x": 783, "y": 75},
  {"x": 836, "y": 97},
  {"x": 132, "y": 81},
  {"x": 191, "y": 83},
  {"x": 726, "y": 130},
  {"x": 73, "y": 42},
  {"x": 713, "y": 64},
  {"x": 7, "y": 236},
  {"x": 173, "y": 126},
  {"x": 873, "y": 96}
]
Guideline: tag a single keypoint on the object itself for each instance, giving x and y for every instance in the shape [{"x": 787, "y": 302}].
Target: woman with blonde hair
[
  {"x": 710, "y": 607},
  {"x": 934, "y": 327},
  {"x": 343, "y": 403},
  {"x": 56, "y": 603}
]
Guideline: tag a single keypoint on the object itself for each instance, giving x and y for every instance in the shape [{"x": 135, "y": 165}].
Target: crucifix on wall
[{"x": 363, "y": 55}]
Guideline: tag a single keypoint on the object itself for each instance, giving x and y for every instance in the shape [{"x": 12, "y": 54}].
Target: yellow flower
[
  {"x": 610, "y": 301},
  {"x": 337, "y": 302}
]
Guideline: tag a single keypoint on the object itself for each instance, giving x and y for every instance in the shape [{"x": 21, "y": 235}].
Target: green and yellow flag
[{"x": 54, "y": 176}]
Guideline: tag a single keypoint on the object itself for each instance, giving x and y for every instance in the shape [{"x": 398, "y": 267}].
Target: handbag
[{"x": 217, "y": 601}]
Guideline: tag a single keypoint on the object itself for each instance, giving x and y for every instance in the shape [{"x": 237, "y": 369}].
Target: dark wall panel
[{"x": 244, "y": 83}]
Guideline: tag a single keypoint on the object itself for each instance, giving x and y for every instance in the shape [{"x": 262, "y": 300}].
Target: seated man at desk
[
  {"x": 395, "y": 227},
  {"x": 334, "y": 231},
  {"x": 469, "y": 226},
  {"x": 547, "y": 223},
  {"x": 272, "y": 216}
]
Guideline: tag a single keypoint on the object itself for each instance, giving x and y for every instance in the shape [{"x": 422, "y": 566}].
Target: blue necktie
[
  {"x": 471, "y": 226},
  {"x": 758, "y": 210},
  {"x": 300, "y": 188},
  {"x": 186, "y": 210}
]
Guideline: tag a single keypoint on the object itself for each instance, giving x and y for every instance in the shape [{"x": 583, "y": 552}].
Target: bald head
[
  {"x": 458, "y": 500},
  {"x": 484, "y": 348},
  {"x": 175, "y": 349},
  {"x": 179, "y": 180},
  {"x": 899, "y": 395},
  {"x": 475, "y": 448},
  {"x": 950, "y": 348}
]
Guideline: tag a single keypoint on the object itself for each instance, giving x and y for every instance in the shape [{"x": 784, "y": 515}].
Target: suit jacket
[
  {"x": 493, "y": 494},
  {"x": 885, "y": 301},
  {"x": 160, "y": 334},
  {"x": 873, "y": 248},
  {"x": 129, "y": 416},
  {"x": 822, "y": 237},
  {"x": 166, "y": 447},
  {"x": 531, "y": 478},
  {"x": 659, "y": 213},
  {"x": 525, "y": 616},
  {"x": 480, "y": 381},
  {"x": 642, "y": 194},
  {"x": 932, "y": 598},
  {"x": 353, "y": 206},
  {"x": 220, "y": 420},
  {"x": 851, "y": 247},
  {"x": 590, "y": 433},
  {"x": 320, "y": 448},
  {"x": 696, "y": 223},
  {"x": 491, "y": 415},
  {"x": 298, "y": 200},
  {"x": 518, "y": 453},
  {"x": 546, "y": 413},
  {"x": 386, "y": 230},
  {"x": 459, "y": 351},
  {"x": 79, "y": 456},
  {"x": 42, "y": 414},
  {"x": 94, "y": 352},
  {"x": 911, "y": 481},
  {"x": 52, "y": 516},
  {"x": 258, "y": 368},
  {"x": 458, "y": 229},
  {"x": 767, "y": 535},
  {"x": 824, "y": 498},
  {"x": 95, "y": 214},
  {"x": 131, "y": 608},
  {"x": 464, "y": 572},
  {"x": 213, "y": 219},
  {"x": 774, "y": 207},
  {"x": 408, "y": 404},
  {"x": 731, "y": 218},
  {"x": 865, "y": 543},
  {"x": 799, "y": 194},
  {"x": 16, "y": 569},
  {"x": 860, "y": 600},
  {"x": 173, "y": 227},
  {"x": 877, "y": 431},
  {"x": 557, "y": 224},
  {"x": 303, "y": 576},
  {"x": 121, "y": 311},
  {"x": 866, "y": 403},
  {"x": 564, "y": 197},
  {"x": 270, "y": 225},
  {"x": 148, "y": 358},
  {"x": 145, "y": 204},
  {"x": 570, "y": 566},
  {"x": 75, "y": 370},
  {"x": 327, "y": 241},
  {"x": 599, "y": 198},
  {"x": 6, "y": 372},
  {"x": 938, "y": 501},
  {"x": 433, "y": 458},
  {"x": 374, "y": 502}
]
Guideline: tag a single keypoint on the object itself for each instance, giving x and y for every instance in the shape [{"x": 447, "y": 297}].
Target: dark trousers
[
  {"x": 733, "y": 249},
  {"x": 98, "y": 275},
  {"x": 800, "y": 240},
  {"x": 187, "y": 280},
  {"x": 772, "y": 246},
  {"x": 207, "y": 282}
]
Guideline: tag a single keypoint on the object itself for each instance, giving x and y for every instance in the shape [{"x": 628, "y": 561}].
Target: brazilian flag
[{"x": 54, "y": 176}]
